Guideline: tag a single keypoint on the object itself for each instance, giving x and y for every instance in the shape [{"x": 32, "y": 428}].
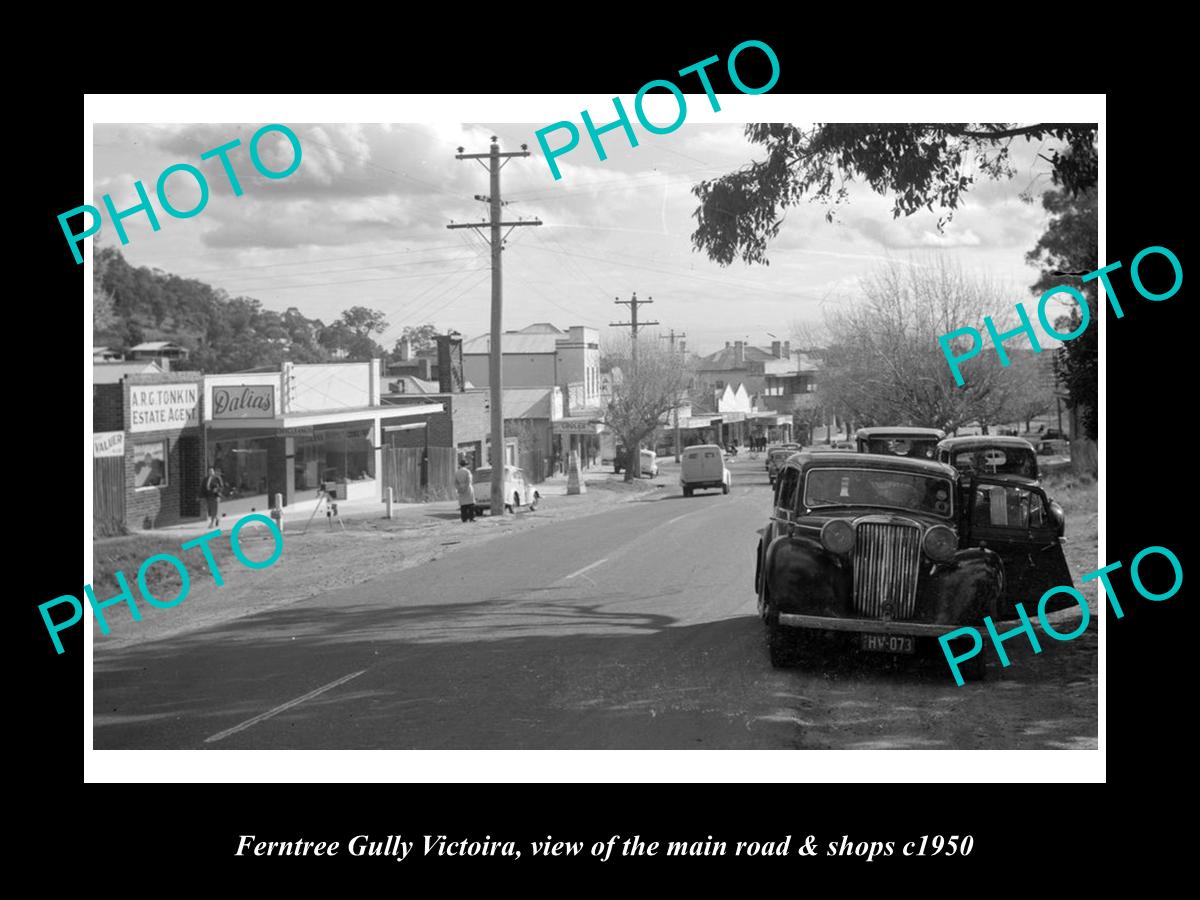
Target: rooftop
[
  {"x": 113, "y": 372},
  {"x": 158, "y": 345}
]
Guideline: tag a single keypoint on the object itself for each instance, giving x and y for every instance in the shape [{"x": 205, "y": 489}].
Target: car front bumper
[{"x": 872, "y": 626}]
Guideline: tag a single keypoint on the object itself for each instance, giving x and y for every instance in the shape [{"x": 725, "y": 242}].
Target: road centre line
[
  {"x": 585, "y": 568},
  {"x": 221, "y": 735}
]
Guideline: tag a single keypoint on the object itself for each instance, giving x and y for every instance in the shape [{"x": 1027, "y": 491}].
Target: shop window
[
  {"x": 242, "y": 464},
  {"x": 334, "y": 455},
  {"x": 150, "y": 465}
]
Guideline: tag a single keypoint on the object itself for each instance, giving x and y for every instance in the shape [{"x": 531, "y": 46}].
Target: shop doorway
[{"x": 192, "y": 470}]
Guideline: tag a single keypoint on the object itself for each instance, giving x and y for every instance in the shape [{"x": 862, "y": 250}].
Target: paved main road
[{"x": 632, "y": 628}]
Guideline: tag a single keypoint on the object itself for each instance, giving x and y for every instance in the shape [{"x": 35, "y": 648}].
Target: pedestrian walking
[
  {"x": 465, "y": 485},
  {"x": 214, "y": 486}
]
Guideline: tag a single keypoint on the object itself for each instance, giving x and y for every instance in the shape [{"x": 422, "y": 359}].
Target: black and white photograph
[{"x": 443, "y": 434}]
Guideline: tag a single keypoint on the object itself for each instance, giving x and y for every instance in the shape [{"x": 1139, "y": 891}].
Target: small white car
[
  {"x": 703, "y": 466},
  {"x": 649, "y": 464},
  {"x": 517, "y": 491}
]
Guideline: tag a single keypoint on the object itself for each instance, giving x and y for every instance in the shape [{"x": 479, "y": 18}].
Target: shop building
[
  {"x": 148, "y": 447},
  {"x": 300, "y": 430}
]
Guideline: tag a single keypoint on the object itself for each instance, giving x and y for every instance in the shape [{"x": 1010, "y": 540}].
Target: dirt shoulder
[{"x": 314, "y": 562}]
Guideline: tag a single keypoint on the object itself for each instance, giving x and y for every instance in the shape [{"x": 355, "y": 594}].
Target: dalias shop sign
[{"x": 243, "y": 402}]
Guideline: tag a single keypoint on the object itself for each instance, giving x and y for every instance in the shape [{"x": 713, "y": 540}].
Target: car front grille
[{"x": 887, "y": 557}]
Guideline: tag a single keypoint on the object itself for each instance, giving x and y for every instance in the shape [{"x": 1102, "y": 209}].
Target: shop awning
[{"x": 283, "y": 424}]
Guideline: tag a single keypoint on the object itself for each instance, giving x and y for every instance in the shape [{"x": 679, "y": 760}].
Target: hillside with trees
[{"x": 223, "y": 333}]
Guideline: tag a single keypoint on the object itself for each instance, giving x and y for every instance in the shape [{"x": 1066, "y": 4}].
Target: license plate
[{"x": 889, "y": 643}]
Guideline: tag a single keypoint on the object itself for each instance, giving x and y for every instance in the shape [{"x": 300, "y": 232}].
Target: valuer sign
[
  {"x": 153, "y": 407},
  {"x": 243, "y": 401}
]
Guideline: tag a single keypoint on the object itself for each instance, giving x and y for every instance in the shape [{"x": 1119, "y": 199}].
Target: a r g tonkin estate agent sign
[
  {"x": 157, "y": 406},
  {"x": 243, "y": 402}
]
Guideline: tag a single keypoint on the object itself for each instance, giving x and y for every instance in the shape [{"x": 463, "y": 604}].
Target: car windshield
[
  {"x": 917, "y": 448},
  {"x": 878, "y": 487},
  {"x": 997, "y": 461}
]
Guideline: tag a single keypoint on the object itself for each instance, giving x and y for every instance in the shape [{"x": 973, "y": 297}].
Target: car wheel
[
  {"x": 687, "y": 492},
  {"x": 516, "y": 500},
  {"x": 724, "y": 489}
]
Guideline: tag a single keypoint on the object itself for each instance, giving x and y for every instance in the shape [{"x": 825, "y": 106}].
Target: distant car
[
  {"x": 889, "y": 554},
  {"x": 649, "y": 462},
  {"x": 702, "y": 467},
  {"x": 900, "y": 440},
  {"x": 517, "y": 491},
  {"x": 842, "y": 445},
  {"x": 775, "y": 458}
]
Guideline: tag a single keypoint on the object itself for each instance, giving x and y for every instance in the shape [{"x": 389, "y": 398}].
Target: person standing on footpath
[
  {"x": 465, "y": 485},
  {"x": 214, "y": 485}
]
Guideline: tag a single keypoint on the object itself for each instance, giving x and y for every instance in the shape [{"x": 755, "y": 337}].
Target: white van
[{"x": 703, "y": 466}]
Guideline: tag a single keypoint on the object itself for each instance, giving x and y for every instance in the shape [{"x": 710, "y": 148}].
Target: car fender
[
  {"x": 800, "y": 575},
  {"x": 964, "y": 590}
]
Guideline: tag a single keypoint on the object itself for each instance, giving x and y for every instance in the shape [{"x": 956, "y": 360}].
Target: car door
[{"x": 1014, "y": 520}]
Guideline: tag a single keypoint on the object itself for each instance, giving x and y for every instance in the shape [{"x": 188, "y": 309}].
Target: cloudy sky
[{"x": 363, "y": 222}]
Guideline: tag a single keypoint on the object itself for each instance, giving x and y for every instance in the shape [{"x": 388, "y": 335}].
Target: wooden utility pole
[
  {"x": 635, "y": 455},
  {"x": 495, "y": 369},
  {"x": 632, "y": 325},
  {"x": 671, "y": 337}
]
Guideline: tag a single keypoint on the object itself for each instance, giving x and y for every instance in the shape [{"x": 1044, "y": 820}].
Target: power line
[
  {"x": 358, "y": 280},
  {"x": 308, "y": 262}
]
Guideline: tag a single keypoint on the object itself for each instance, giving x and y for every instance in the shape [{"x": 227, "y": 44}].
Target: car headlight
[
  {"x": 940, "y": 543},
  {"x": 837, "y": 536}
]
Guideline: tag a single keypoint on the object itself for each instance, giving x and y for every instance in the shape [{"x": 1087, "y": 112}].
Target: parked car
[
  {"x": 649, "y": 462},
  {"x": 887, "y": 554},
  {"x": 904, "y": 440},
  {"x": 775, "y": 457},
  {"x": 517, "y": 491},
  {"x": 842, "y": 445},
  {"x": 990, "y": 454},
  {"x": 703, "y": 466},
  {"x": 1012, "y": 458}
]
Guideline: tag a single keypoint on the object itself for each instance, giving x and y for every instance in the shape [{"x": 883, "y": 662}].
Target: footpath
[{"x": 321, "y": 554}]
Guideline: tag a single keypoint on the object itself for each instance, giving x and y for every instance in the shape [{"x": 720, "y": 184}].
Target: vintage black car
[
  {"x": 990, "y": 454},
  {"x": 1001, "y": 456},
  {"x": 888, "y": 553},
  {"x": 900, "y": 440}
]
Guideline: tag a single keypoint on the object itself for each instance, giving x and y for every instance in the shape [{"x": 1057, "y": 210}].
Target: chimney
[
  {"x": 727, "y": 345},
  {"x": 405, "y": 350},
  {"x": 787, "y": 349},
  {"x": 776, "y": 349},
  {"x": 739, "y": 352},
  {"x": 450, "y": 365}
]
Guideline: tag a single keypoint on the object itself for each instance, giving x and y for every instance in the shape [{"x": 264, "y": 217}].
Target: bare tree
[
  {"x": 646, "y": 394},
  {"x": 883, "y": 364}
]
